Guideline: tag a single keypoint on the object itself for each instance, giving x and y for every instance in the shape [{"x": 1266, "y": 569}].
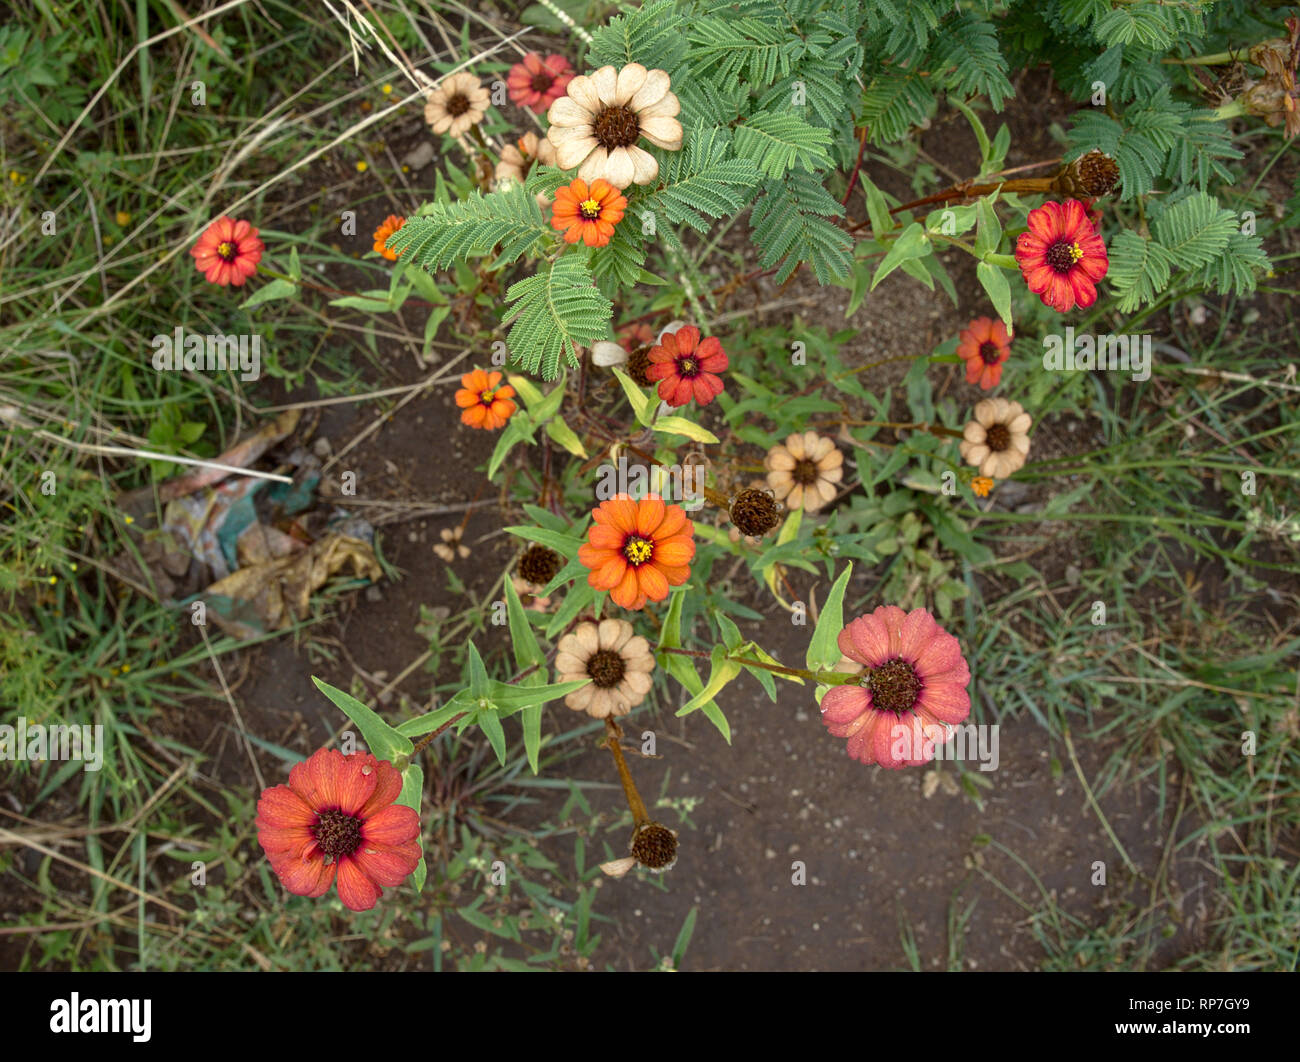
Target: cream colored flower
[
  {"x": 597, "y": 123},
  {"x": 997, "y": 440},
  {"x": 458, "y": 103},
  {"x": 804, "y": 472},
  {"x": 617, "y": 661},
  {"x": 519, "y": 158},
  {"x": 451, "y": 546}
]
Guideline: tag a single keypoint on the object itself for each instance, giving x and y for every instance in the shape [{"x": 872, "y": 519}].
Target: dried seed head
[
  {"x": 1090, "y": 176},
  {"x": 638, "y": 364},
  {"x": 539, "y": 565},
  {"x": 755, "y": 512},
  {"x": 654, "y": 846}
]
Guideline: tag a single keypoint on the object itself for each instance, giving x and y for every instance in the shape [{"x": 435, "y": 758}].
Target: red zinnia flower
[
  {"x": 638, "y": 549},
  {"x": 686, "y": 367},
  {"x": 1061, "y": 256},
  {"x": 588, "y": 214},
  {"x": 337, "y": 817},
  {"x": 914, "y": 685},
  {"x": 228, "y": 252},
  {"x": 536, "y": 83},
  {"x": 984, "y": 346},
  {"x": 387, "y": 227},
  {"x": 484, "y": 400}
]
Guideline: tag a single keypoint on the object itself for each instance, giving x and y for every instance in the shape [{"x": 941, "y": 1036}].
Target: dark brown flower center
[
  {"x": 989, "y": 353},
  {"x": 457, "y": 104},
  {"x": 227, "y": 250},
  {"x": 638, "y": 550},
  {"x": 539, "y": 565},
  {"x": 755, "y": 512},
  {"x": 894, "y": 686},
  {"x": 541, "y": 81},
  {"x": 616, "y": 127},
  {"x": 338, "y": 834},
  {"x": 638, "y": 364},
  {"x": 998, "y": 437},
  {"x": 654, "y": 846},
  {"x": 688, "y": 368},
  {"x": 804, "y": 472},
  {"x": 1062, "y": 256},
  {"x": 606, "y": 668}
]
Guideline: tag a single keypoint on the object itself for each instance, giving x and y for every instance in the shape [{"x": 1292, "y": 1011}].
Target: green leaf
[
  {"x": 559, "y": 310},
  {"x": 412, "y": 791},
  {"x": 490, "y": 723},
  {"x": 723, "y": 670},
  {"x": 384, "y": 742},
  {"x": 995, "y": 283},
  {"x": 913, "y": 242},
  {"x": 823, "y": 649},
  {"x": 522, "y": 639},
  {"x": 643, "y": 405},
  {"x": 567, "y": 545},
  {"x": 989, "y": 232},
  {"x": 670, "y": 634},
  {"x": 474, "y": 226},
  {"x": 562, "y": 434},
  {"x": 430, "y": 721},
  {"x": 779, "y": 141},
  {"x": 277, "y": 289},
  {"x": 682, "y": 426},
  {"x": 533, "y": 734}
]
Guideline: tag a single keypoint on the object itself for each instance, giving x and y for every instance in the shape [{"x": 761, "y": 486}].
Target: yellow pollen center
[
  {"x": 590, "y": 209},
  {"x": 638, "y": 550},
  {"x": 1076, "y": 252},
  {"x": 226, "y": 249},
  {"x": 486, "y": 397}
]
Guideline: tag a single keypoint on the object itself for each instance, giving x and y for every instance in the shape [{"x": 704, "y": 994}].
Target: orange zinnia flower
[
  {"x": 981, "y": 485},
  {"x": 638, "y": 549},
  {"x": 484, "y": 400},
  {"x": 984, "y": 345},
  {"x": 228, "y": 252},
  {"x": 337, "y": 819},
  {"x": 588, "y": 214},
  {"x": 386, "y": 228}
]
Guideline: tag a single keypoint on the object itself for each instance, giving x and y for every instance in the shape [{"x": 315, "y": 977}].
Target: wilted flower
[
  {"x": 805, "y": 471},
  {"x": 913, "y": 688},
  {"x": 638, "y": 549},
  {"x": 228, "y": 252},
  {"x": 997, "y": 441},
  {"x": 536, "y": 83},
  {"x": 754, "y": 512},
  {"x": 597, "y": 123},
  {"x": 1061, "y": 257},
  {"x": 386, "y": 228},
  {"x": 1090, "y": 176},
  {"x": 337, "y": 820},
  {"x": 451, "y": 546},
  {"x": 984, "y": 345},
  {"x": 587, "y": 214},
  {"x": 484, "y": 400},
  {"x": 616, "y": 659},
  {"x": 458, "y": 103}
]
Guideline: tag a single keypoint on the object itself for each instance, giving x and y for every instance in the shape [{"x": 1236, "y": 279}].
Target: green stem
[{"x": 825, "y": 678}]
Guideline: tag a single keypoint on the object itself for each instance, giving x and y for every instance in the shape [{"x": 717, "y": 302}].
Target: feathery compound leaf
[
  {"x": 1139, "y": 270},
  {"x": 965, "y": 56},
  {"x": 700, "y": 180},
  {"x": 789, "y": 223},
  {"x": 730, "y": 48},
  {"x": 648, "y": 35},
  {"x": 452, "y": 232},
  {"x": 892, "y": 103},
  {"x": 559, "y": 310},
  {"x": 778, "y": 142}
]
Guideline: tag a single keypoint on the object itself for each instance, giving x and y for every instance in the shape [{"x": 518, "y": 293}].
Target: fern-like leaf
[
  {"x": 779, "y": 141},
  {"x": 790, "y": 226},
  {"x": 559, "y": 310},
  {"x": 699, "y": 181},
  {"x": 452, "y": 232}
]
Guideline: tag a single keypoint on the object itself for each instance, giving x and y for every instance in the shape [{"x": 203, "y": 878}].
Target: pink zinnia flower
[
  {"x": 536, "y": 83},
  {"x": 914, "y": 685},
  {"x": 687, "y": 367},
  {"x": 337, "y": 818},
  {"x": 1061, "y": 257},
  {"x": 228, "y": 252}
]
